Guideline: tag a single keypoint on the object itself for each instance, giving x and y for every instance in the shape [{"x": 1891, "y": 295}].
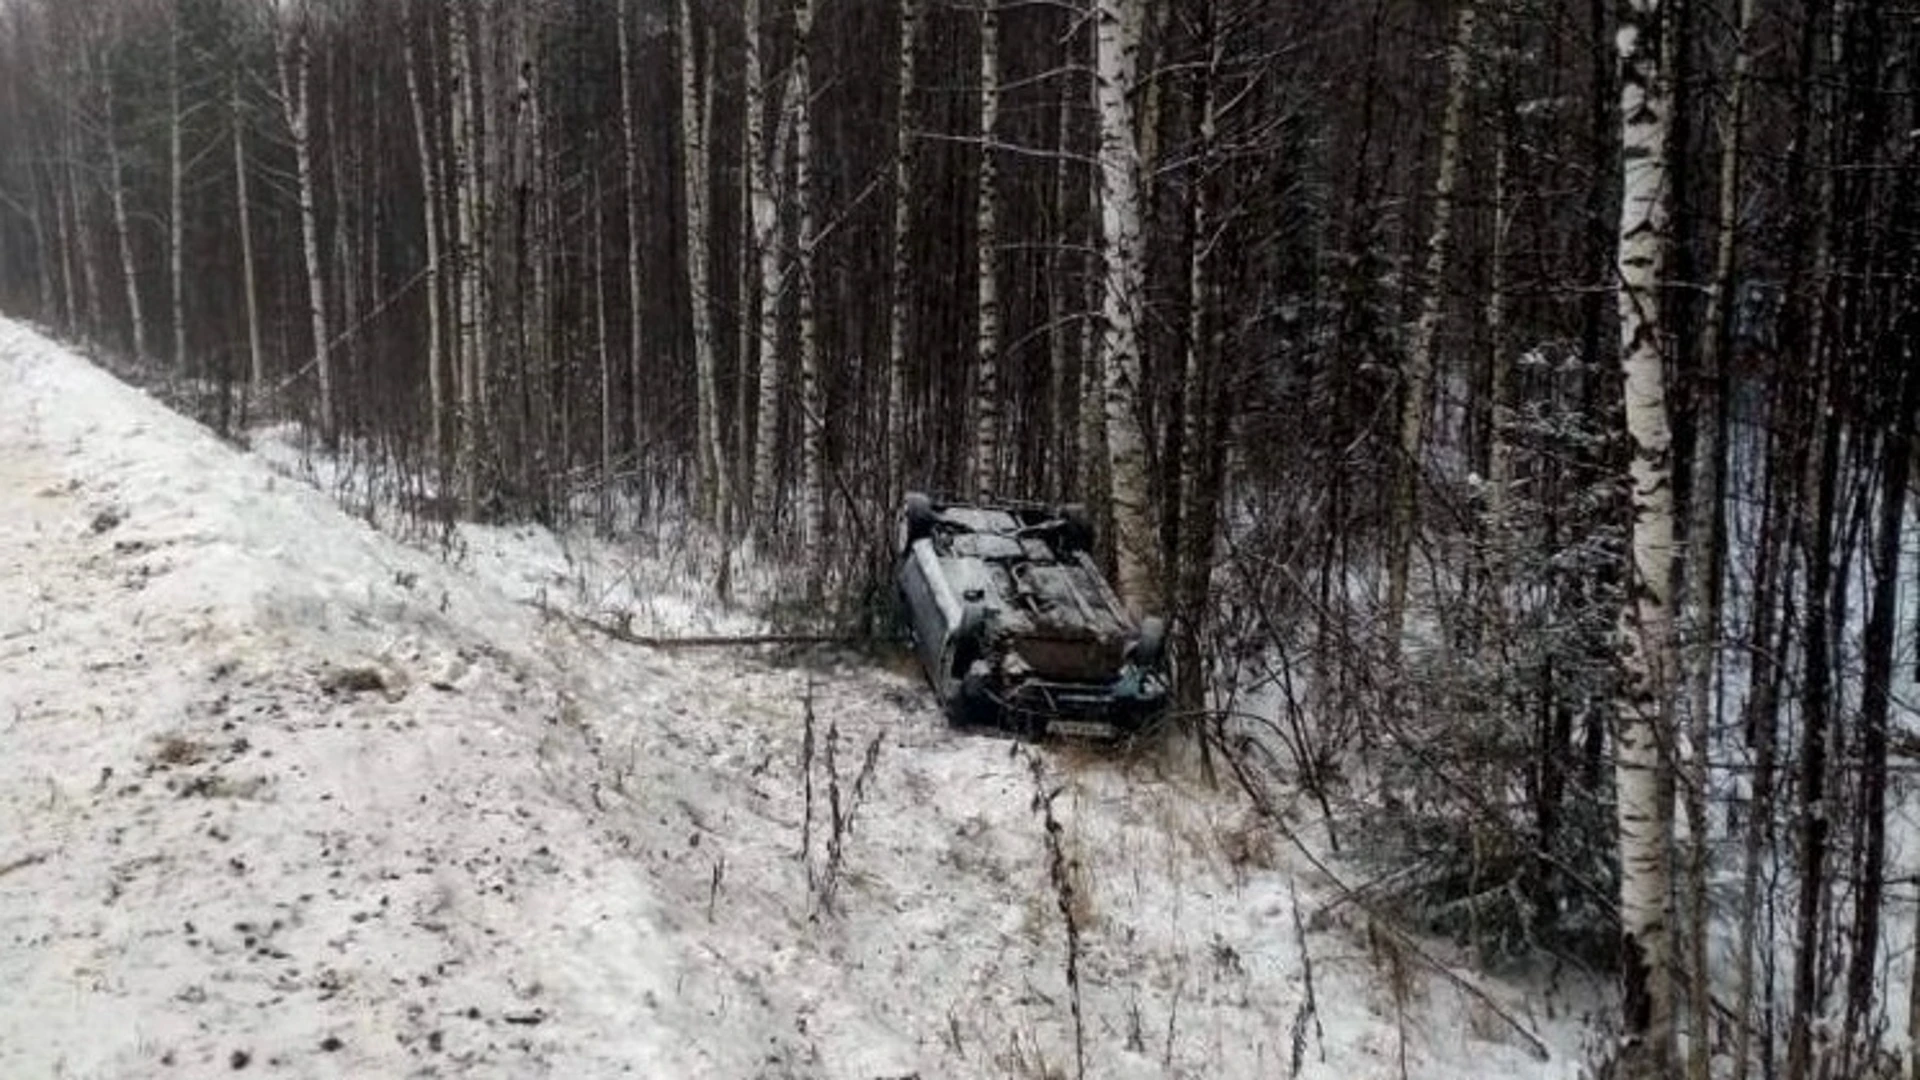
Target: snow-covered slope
[{"x": 280, "y": 793}]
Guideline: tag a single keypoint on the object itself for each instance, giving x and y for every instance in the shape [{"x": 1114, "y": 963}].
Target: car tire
[
  {"x": 1150, "y": 648},
  {"x": 971, "y": 704},
  {"x": 1077, "y": 532},
  {"x": 920, "y": 516}
]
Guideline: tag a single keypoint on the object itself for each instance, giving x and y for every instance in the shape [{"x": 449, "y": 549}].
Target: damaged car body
[{"x": 1015, "y": 626}]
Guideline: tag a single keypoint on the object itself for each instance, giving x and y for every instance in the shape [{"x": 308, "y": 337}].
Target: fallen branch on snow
[
  {"x": 697, "y": 641},
  {"x": 23, "y": 862}
]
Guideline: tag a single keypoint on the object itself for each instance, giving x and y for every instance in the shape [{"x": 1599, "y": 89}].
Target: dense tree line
[{"x": 1512, "y": 401}]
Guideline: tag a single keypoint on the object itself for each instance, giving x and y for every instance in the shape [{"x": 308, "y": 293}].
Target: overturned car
[{"x": 1015, "y": 626}]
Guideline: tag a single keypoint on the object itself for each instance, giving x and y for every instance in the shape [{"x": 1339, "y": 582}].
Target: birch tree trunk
[
  {"x": 812, "y": 393},
  {"x": 256, "y": 354},
  {"x": 70, "y": 302},
  {"x": 1061, "y": 359},
  {"x": 294, "y": 60},
  {"x": 90, "y": 273},
  {"x": 603, "y": 353},
  {"x": 899, "y": 274},
  {"x": 1644, "y": 812},
  {"x": 1705, "y": 533},
  {"x": 466, "y": 260},
  {"x": 89, "y": 258},
  {"x": 630, "y": 147},
  {"x": 1876, "y": 706},
  {"x": 716, "y": 499},
  {"x": 430, "y": 193},
  {"x": 122, "y": 228},
  {"x": 764, "y": 209},
  {"x": 176, "y": 201},
  {"x": 986, "y": 397},
  {"x": 762, "y": 217},
  {"x": 1417, "y": 385},
  {"x": 1117, "y": 58},
  {"x": 1203, "y": 428}
]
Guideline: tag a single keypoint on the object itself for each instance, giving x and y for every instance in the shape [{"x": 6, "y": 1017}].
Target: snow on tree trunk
[
  {"x": 430, "y": 194},
  {"x": 256, "y": 354},
  {"x": 986, "y": 397},
  {"x": 295, "y": 62},
  {"x": 122, "y": 227},
  {"x": 715, "y": 496},
  {"x": 1646, "y": 624},
  {"x": 176, "y": 200},
  {"x": 1417, "y": 384},
  {"x": 899, "y": 275},
  {"x": 1117, "y": 56},
  {"x": 812, "y": 392}
]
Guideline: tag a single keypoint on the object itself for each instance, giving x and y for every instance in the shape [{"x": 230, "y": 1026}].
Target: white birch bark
[
  {"x": 899, "y": 275},
  {"x": 1417, "y": 386},
  {"x": 1499, "y": 385},
  {"x": 176, "y": 200},
  {"x": 630, "y": 148},
  {"x": 294, "y": 61},
  {"x": 813, "y": 421},
  {"x": 122, "y": 227},
  {"x": 604, "y": 354},
  {"x": 765, "y": 212},
  {"x": 430, "y": 195},
  {"x": 1197, "y": 509},
  {"x": 1064, "y": 366},
  {"x": 256, "y": 353},
  {"x": 1646, "y": 722},
  {"x": 1117, "y": 57},
  {"x": 986, "y": 396},
  {"x": 694, "y": 113},
  {"x": 466, "y": 261}
]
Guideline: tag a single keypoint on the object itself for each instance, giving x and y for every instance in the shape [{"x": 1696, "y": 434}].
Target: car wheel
[
  {"x": 1077, "y": 535},
  {"x": 971, "y": 704},
  {"x": 1150, "y": 648},
  {"x": 920, "y": 516}
]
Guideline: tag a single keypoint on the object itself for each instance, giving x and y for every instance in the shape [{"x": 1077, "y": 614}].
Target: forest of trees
[{"x": 1512, "y": 402}]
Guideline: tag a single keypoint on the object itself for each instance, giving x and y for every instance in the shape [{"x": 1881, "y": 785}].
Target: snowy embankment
[{"x": 280, "y": 793}]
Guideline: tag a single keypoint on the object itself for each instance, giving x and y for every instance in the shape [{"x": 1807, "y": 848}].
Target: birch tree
[
  {"x": 468, "y": 317},
  {"x": 986, "y": 394},
  {"x": 122, "y": 224},
  {"x": 176, "y": 189},
  {"x": 430, "y": 220},
  {"x": 1644, "y": 811},
  {"x": 630, "y": 151},
  {"x": 899, "y": 274},
  {"x": 249, "y": 277},
  {"x": 1417, "y": 385},
  {"x": 715, "y": 495},
  {"x": 294, "y": 60},
  {"x": 813, "y": 420},
  {"x": 1117, "y": 74},
  {"x": 764, "y": 209}
]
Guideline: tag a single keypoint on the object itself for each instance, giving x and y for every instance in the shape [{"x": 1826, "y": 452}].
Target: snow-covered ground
[{"x": 281, "y": 793}]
